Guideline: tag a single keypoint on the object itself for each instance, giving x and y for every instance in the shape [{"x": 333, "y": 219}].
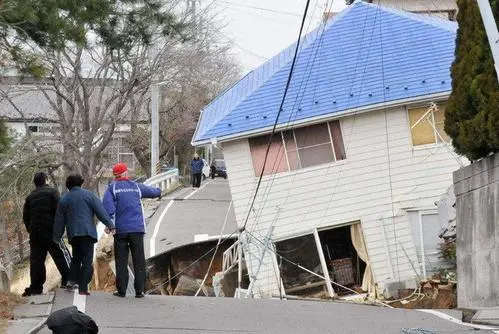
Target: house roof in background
[
  {"x": 31, "y": 101},
  {"x": 366, "y": 55}
]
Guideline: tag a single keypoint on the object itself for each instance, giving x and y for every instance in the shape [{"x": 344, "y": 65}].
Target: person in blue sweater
[
  {"x": 196, "y": 170},
  {"x": 122, "y": 201},
  {"x": 75, "y": 214}
]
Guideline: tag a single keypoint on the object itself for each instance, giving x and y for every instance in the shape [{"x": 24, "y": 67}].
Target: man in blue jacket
[
  {"x": 196, "y": 169},
  {"x": 75, "y": 213},
  {"x": 122, "y": 201}
]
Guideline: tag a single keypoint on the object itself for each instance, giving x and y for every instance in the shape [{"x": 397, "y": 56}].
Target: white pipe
[
  {"x": 491, "y": 30},
  {"x": 154, "y": 129}
]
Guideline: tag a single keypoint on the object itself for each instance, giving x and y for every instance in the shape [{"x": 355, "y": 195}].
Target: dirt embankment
[
  {"x": 7, "y": 303},
  {"x": 432, "y": 295},
  {"x": 104, "y": 278}
]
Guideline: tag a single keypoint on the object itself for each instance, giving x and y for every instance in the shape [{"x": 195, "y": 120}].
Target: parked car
[
  {"x": 218, "y": 168},
  {"x": 206, "y": 170}
]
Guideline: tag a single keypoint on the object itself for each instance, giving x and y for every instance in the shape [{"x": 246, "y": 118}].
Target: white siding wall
[
  {"x": 355, "y": 189},
  {"x": 420, "y": 5}
]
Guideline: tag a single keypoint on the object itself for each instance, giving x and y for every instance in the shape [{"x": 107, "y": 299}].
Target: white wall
[
  {"x": 360, "y": 188},
  {"x": 420, "y": 5}
]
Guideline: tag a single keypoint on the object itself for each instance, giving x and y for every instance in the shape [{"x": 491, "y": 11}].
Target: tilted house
[{"x": 358, "y": 159}]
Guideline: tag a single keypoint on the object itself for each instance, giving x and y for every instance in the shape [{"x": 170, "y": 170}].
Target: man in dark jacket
[
  {"x": 196, "y": 169},
  {"x": 38, "y": 216},
  {"x": 122, "y": 201},
  {"x": 75, "y": 213}
]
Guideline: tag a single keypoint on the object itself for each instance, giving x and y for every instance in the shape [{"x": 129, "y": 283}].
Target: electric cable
[{"x": 278, "y": 113}]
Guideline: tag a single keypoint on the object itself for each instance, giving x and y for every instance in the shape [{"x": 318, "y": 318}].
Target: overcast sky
[{"x": 259, "y": 29}]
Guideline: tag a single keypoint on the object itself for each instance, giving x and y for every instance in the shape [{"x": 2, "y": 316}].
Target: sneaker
[
  {"x": 139, "y": 295},
  {"x": 117, "y": 294},
  {"x": 70, "y": 286},
  {"x": 84, "y": 293}
]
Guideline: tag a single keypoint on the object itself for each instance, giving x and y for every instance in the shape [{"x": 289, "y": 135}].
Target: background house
[
  {"x": 26, "y": 108},
  {"x": 444, "y": 9},
  {"x": 358, "y": 159}
]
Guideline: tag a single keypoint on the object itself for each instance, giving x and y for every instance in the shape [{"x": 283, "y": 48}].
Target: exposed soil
[
  {"x": 436, "y": 297},
  {"x": 7, "y": 303}
]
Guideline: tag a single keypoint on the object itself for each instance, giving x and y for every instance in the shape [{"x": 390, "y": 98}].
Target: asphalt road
[
  {"x": 178, "y": 220},
  {"x": 191, "y": 215},
  {"x": 189, "y": 315}
]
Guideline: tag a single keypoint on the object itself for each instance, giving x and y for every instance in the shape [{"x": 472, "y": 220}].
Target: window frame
[
  {"x": 437, "y": 142},
  {"x": 297, "y": 149}
]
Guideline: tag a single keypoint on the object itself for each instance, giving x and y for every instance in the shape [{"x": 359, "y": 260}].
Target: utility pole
[
  {"x": 154, "y": 129},
  {"x": 491, "y": 30}
]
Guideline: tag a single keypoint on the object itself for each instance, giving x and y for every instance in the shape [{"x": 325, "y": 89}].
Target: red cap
[{"x": 120, "y": 168}]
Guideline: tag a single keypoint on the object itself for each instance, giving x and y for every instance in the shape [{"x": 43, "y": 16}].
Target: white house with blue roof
[{"x": 358, "y": 160}]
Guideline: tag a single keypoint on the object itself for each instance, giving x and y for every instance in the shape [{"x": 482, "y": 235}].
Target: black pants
[
  {"x": 196, "y": 180},
  {"x": 135, "y": 243},
  {"x": 40, "y": 246},
  {"x": 81, "y": 265}
]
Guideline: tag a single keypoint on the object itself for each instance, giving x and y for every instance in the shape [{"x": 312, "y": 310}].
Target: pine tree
[
  {"x": 53, "y": 24},
  {"x": 472, "y": 113}
]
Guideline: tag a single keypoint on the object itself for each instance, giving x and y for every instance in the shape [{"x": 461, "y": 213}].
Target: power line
[
  {"x": 260, "y": 8},
  {"x": 278, "y": 113}
]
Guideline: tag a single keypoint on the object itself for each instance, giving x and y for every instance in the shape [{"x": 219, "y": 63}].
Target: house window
[
  {"x": 298, "y": 148},
  {"x": 127, "y": 158},
  {"x": 425, "y": 228},
  {"x": 276, "y": 159},
  {"x": 33, "y": 128},
  {"x": 427, "y": 125}
]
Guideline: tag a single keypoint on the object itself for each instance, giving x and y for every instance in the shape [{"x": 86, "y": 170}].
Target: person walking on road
[
  {"x": 122, "y": 201},
  {"x": 75, "y": 213},
  {"x": 196, "y": 170},
  {"x": 38, "y": 215}
]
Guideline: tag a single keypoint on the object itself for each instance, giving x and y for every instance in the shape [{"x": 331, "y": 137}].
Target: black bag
[{"x": 71, "y": 321}]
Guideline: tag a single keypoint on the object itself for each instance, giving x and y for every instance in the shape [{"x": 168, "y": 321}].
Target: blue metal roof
[{"x": 364, "y": 56}]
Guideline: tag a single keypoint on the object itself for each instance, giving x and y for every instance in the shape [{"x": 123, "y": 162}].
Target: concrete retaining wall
[{"x": 477, "y": 197}]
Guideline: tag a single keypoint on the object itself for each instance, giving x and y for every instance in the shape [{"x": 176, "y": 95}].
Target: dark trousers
[
  {"x": 196, "y": 180},
  {"x": 40, "y": 246},
  {"x": 81, "y": 265},
  {"x": 123, "y": 242}
]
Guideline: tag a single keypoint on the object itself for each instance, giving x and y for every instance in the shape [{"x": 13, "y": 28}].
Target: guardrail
[{"x": 165, "y": 180}]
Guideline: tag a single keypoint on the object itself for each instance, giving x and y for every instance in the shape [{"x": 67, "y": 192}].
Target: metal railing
[
  {"x": 231, "y": 257},
  {"x": 165, "y": 180}
]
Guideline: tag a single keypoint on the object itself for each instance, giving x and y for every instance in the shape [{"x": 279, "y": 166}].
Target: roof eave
[{"x": 322, "y": 118}]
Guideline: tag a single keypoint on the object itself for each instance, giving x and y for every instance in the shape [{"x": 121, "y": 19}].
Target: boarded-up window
[
  {"x": 276, "y": 159},
  {"x": 427, "y": 125},
  {"x": 299, "y": 148}
]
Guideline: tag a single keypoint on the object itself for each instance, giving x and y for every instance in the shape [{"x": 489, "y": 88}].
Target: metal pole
[
  {"x": 322, "y": 259},
  {"x": 240, "y": 262},
  {"x": 154, "y": 129},
  {"x": 491, "y": 30},
  {"x": 254, "y": 277}
]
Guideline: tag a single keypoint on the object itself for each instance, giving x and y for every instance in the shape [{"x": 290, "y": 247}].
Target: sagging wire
[{"x": 216, "y": 250}]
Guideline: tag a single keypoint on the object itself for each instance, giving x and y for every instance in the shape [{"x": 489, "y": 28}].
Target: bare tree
[
  {"x": 95, "y": 87},
  {"x": 202, "y": 69}
]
